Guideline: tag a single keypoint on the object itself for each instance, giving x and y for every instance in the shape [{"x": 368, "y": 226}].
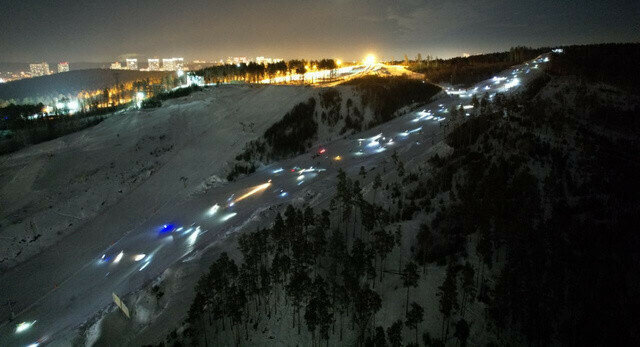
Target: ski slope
[{"x": 161, "y": 224}]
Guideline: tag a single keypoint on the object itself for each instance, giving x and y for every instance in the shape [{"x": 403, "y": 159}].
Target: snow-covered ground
[{"x": 139, "y": 195}]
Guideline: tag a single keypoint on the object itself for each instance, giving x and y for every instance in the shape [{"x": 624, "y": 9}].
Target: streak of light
[
  {"x": 24, "y": 326},
  {"x": 191, "y": 240},
  {"x": 118, "y": 257},
  {"x": 139, "y": 257},
  {"x": 228, "y": 216},
  {"x": 256, "y": 189},
  {"x": 213, "y": 210}
]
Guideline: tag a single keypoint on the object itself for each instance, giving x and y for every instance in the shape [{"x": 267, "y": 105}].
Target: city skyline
[{"x": 344, "y": 29}]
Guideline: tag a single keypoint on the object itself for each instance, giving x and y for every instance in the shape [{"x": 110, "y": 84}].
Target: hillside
[
  {"x": 362, "y": 214},
  {"x": 69, "y": 83}
]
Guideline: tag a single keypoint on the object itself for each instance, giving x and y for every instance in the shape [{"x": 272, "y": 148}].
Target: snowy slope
[{"x": 165, "y": 164}]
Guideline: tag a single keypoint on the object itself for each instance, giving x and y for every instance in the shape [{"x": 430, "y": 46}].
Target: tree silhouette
[
  {"x": 415, "y": 317},
  {"x": 367, "y": 303},
  {"x": 394, "y": 334},
  {"x": 410, "y": 278},
  {"x": 448, "y": 294}
]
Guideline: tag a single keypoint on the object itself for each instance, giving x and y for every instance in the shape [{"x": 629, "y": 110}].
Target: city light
[
  {"x": 370, "y": 59},
  {"x": 139, "y": 257}
]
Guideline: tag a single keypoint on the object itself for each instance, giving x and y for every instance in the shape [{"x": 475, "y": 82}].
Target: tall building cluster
[
  {"x": 132, "y": 64},
  {"x": 39, "y": 69},
  {"x": 172, "y": 64},
  {"x": 153, "y": 64}
]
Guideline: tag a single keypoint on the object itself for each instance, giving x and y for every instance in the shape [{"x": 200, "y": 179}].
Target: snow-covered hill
[{"x": 147, "y": 183}]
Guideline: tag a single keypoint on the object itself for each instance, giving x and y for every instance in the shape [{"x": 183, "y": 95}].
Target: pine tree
[
  {"x": 379, "y": 339},
  {"x": 415, "y": 317},
  {"x": 467, "y": 286},
  {"x": 398, "y": 241},
  {"x": 367, "y": 304},
  {"x": 377, "y": 183},
  {"x": 448, "y": 294},
  {"x": 394, "y": 334},
  {"x": 410, "y": 279}
]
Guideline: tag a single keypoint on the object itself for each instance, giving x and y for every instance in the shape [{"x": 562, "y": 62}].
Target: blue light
[{"x": 167, "y": 228}]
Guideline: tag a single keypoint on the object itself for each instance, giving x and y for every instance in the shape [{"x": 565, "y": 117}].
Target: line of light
[{"x": 253, "y": 191}]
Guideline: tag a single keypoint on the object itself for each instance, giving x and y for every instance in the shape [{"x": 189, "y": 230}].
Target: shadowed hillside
[{"x": 70, "y": 83}]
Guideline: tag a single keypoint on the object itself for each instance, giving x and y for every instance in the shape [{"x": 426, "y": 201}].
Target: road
[{"x": 65, "y": 285}]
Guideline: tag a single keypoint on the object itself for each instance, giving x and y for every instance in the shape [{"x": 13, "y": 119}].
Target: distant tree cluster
[
  {"x": 612, "y": 63},
  {"x": 469, "y": 70},
  {"x": 254, "y": 73},
  {"x": 386, "y": 95}
]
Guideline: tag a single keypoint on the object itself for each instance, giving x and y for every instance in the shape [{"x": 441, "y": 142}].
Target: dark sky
[{"x": 99, "y": 31}]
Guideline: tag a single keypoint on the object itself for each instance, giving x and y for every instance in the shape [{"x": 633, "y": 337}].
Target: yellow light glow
[
  {"x": 253, "y": 191},
  {"x": 370, "y": 59},
  {"x": 337, "y": 157},
  {"x": 338, "y": 62}
]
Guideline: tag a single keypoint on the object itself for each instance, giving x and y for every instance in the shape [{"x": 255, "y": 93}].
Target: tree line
[{"x": 254, "y": 72}]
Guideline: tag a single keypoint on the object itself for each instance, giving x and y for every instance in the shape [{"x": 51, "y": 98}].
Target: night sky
[{"x": 100, "y": 31}]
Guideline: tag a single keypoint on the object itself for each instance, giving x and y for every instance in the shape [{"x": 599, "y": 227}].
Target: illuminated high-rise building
[
  {"x": 178, "y": 63},
  {"x": 63, "y": 66},
  {"x": 116, "y": 66},
  {"x": 168, "y": 64},
  {"x": 39, "y": 69},
  {"x": 132, "y": 64},
  {"x": 154, "y": 64}
]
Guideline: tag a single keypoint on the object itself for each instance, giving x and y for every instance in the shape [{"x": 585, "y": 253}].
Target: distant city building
[
  {"x": 237, "y": 60},
  {"x": 263, "y": 60},
  {"x": 178, "y": 63},
  {"x": 132, "y": 64},
  {"x": 63, "y": 66},
  {"x": 172, "y": 64},
  {"x": 40, "y": 69},
  {"x": 154, "y": 64},
  {"x": 168, "y": 64},
  {"x": 116, "y": 66}
]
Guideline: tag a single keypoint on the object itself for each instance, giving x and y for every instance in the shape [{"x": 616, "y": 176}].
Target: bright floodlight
[
  {"x": 370, "y": 59},
  {"x": 213, "y": 210},
  {"x": 140, "y": 95},
  {"x": 24, "y": 326},
  {"x": 180, "y": 73},
  {"x": 118, "y": 257},
  {"x": 139, "y": 257},
  {"x": 338, "y": 62}
]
